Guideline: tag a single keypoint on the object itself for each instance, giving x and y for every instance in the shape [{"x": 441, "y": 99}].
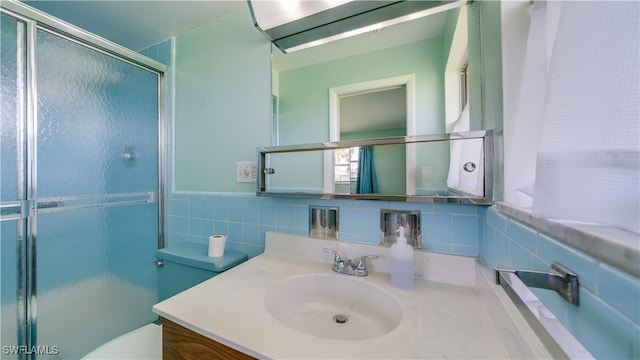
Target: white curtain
[
  {"x": 455, "y": 148},
  {"x": 588, "y": 158},
  {"x": 531, "y": 101}
]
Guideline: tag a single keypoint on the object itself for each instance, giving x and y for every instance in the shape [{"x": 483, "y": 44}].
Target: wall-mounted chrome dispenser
[
  {"x": 392, "y": 220},
  {"x": 324, "y": 222}
]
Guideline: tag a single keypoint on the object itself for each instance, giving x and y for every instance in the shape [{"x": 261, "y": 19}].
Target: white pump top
[{"x": 402, "y": 239}]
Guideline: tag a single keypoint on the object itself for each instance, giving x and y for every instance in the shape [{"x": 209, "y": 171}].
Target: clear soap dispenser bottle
[{"x": 402, "y": 263}]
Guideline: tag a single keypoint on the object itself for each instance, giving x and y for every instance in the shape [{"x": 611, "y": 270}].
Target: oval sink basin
[{"x": 337, "y": 307}]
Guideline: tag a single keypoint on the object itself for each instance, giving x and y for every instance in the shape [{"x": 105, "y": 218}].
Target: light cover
[{"x": 294, "y": 25}]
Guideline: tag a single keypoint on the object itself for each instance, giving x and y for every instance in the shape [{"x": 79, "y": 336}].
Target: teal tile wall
[
  {"x": 607, "y": 321},
  {"x": 245, "y": 218}
]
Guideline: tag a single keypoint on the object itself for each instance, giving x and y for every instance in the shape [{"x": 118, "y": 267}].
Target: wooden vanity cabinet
[{"x": 180, "y": 343}]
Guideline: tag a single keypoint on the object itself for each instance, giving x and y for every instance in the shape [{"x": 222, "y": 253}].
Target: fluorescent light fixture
[{"x": 294, "y": 25}]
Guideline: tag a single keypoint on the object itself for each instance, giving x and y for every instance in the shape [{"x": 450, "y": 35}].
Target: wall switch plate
[{"x": 246, "y": 172}]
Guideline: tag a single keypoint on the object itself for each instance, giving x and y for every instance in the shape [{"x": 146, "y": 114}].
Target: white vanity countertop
[{"x": 439, "y": 320}]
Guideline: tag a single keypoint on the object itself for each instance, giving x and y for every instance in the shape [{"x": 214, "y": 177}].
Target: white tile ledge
[{"x": 617, "y": 247}]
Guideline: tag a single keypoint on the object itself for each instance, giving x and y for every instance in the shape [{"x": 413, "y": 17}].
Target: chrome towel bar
[
  {"x": 559, "y": 341},
  {"x": 560, "y": 279}
]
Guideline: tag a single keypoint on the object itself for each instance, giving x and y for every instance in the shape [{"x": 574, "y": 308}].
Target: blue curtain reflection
[{"x": 366, "y": 182}]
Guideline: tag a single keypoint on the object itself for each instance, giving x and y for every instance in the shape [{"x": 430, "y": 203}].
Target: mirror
[
  {"x": 426, "y": 47},
  {"x": 294, "y": 170},
  {"x": 419, "y": 62}
]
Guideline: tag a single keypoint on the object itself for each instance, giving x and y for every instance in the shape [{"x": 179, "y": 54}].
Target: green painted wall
[
  {"x": 222, "y": 104},
  {"x": 296, "y": 171},
  {"x": 304, "y": 92},
  {"x": 391, "y": 168},
  {"x": 373, "y": 134}
]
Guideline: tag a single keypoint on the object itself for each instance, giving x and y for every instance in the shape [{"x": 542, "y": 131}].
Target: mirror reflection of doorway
[
  {"x": 370, "y": 114},
  {"x": 378, "y": 109}
]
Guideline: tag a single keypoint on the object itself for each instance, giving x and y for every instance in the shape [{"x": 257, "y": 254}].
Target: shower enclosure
[{"x": 81, "y": 189}]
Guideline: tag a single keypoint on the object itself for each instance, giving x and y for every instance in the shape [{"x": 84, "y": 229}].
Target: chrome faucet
[{"x": 348, "y": 266}]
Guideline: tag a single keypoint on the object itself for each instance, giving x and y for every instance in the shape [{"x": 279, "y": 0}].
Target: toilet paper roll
[{"x": 216, "y": 245}]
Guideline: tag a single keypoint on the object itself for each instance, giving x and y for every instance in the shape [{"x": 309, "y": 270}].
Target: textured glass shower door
[
  {"x": 97, "y": 186},
  {"x": 79, "y": 194}
]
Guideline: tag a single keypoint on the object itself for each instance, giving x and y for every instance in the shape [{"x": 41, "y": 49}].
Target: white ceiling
[{"x": 379, "y": 110}]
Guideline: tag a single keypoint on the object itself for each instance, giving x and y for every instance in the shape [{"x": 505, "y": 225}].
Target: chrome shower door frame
[{"x": 26, "y": 209}]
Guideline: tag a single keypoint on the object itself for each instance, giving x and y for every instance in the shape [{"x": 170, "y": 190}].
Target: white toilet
[{"x": 141, "y": 343}]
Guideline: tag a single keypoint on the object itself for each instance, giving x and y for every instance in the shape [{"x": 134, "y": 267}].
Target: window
[{"x": 346, "y": 165}]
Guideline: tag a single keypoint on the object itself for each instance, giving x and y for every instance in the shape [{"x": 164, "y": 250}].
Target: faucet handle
[
  {"x": 337, "y": 257},
  {"x": 362, "y": 263}
]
